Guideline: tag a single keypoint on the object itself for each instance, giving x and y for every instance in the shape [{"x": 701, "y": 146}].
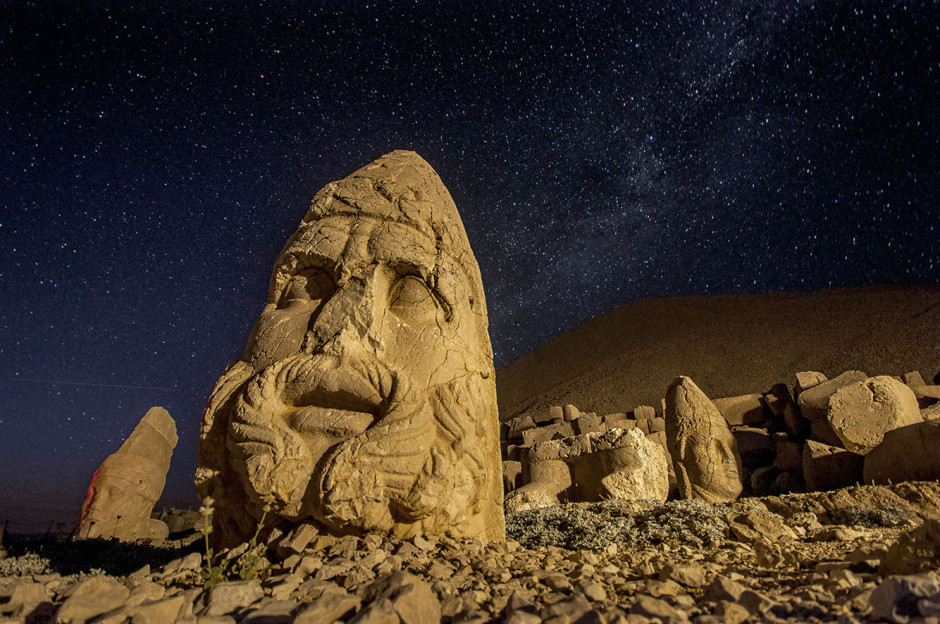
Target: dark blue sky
[{"x": 153, "y": 160}]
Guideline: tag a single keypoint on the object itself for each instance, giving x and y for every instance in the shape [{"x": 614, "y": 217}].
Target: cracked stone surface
[
  {"x": 704, "y": 451},
  {"x": 365, "y": 399},
  {"x": 129, "y": 482},
  {"x": 863, "y": 412}
]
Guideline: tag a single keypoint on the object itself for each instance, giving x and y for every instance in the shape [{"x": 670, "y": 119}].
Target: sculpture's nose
[{"x": 353, "y": 316}]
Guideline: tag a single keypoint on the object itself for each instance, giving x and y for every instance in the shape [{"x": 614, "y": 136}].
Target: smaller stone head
[
  {"x": 129, "y": 482},
  {"x": 704, "y": 451}
]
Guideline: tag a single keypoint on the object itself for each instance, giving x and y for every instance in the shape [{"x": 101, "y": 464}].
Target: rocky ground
[{"x": 859, "y": 554}]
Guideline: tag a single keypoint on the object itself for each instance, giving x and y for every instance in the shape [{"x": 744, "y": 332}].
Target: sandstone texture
[
  {"x": 365, "y": 399},
  {"x": 704, "y": 451},
  {"x": 129, "y": 482},
  {"x": 862, "y": 554},
  {"x": 863, "y": 412},
  {"x": 814, "y": 401}
]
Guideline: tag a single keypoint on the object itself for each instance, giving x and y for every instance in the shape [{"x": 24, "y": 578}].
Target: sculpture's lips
[
  {"x": 335, "y": 423},
  {"x": 334, "y": 397}
]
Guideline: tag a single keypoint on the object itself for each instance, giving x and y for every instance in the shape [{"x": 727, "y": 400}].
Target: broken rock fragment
[
  {"x": 828, "y": 467},
  {"x": 616, "y": 464},
  {"x": 704, "y": 451}
]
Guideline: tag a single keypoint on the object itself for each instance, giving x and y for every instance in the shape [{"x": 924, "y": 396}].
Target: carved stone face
[
  {"x": 704, "y": 451},
  {"x": 365, "y": 397}
]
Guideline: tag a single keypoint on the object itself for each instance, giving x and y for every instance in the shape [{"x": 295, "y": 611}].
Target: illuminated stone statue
[
  {"x": 365, "y": 399},
  {"x": 129, "y": 482},
  {"x": 704, "y": 451}
]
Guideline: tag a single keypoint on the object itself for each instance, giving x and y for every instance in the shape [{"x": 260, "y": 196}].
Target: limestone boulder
[
  {"x": 905, "y": 454},
  {"x": 861, "y": 413},
  {"x": 703, "y": 449},
  {"x": 129, "y": 482},
  {"x": 365, "y": 399}
]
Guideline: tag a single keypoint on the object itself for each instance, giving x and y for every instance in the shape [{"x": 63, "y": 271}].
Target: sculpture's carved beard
[{"x": 357, "y": 446}]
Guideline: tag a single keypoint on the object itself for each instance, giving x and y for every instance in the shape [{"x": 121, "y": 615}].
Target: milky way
[{"x": 155, "y": 160}]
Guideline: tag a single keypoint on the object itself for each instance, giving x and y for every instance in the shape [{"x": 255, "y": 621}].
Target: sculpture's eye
[
  {"x": 312, "y": 285},
  {"x": 411, "y": 297}
]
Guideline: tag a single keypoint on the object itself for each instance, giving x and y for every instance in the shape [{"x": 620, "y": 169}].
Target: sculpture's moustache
[{"x": 319, "y": 410}]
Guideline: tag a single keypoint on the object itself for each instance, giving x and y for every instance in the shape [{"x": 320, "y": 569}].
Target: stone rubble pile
[
  {"x": 810, "y": 435},
  {"x": 769, "y": 567}
]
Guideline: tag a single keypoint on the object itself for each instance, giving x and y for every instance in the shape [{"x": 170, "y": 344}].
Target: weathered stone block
[
  {"x": 755, "y": 446},
  {"x": 788, "y": 455},
  {"x": 794, "y": 423},
  {"x": 906, "y": 454},
  {"x": 806, "y": 380},
  {"x": 619, "y": 421},
  {"x": 777, "y": 399},
  {"x": 512, "y": 475},
  {"x": 828, "y": 468},
  {"x": 548, "y": 432},
  {"x": 589, "y": 424},
  {"x": 931, "y": 412},
  {"x": 822, "y": 431},
  {"x": 644, "y": 412},
  {"x": 914, "y": 379},
  {"x": 861, "y": 413},
  {"x": 618, "y": 463},
  {"x": 518, "y": 425},
  {"x": 814, "y": 401}
]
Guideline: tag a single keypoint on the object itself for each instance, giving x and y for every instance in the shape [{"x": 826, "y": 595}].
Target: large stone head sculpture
[{"x": 365, "y": 399}]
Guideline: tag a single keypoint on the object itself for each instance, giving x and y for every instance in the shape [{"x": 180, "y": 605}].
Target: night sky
[{"x": 154, "y": 160}]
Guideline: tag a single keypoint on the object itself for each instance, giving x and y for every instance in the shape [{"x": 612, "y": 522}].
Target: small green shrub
[{"x": 243, "y": 567}]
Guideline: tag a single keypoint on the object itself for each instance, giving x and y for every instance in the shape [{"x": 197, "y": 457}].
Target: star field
[{"x": 154, "y": 159}]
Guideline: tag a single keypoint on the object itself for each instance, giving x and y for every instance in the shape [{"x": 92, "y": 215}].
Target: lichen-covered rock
[
  {"x": 365, "y": 399},
  {"x": 129, "y": 482},
  {"x": 861, "y": 413},
  {"x": 704, "y": 451}
]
